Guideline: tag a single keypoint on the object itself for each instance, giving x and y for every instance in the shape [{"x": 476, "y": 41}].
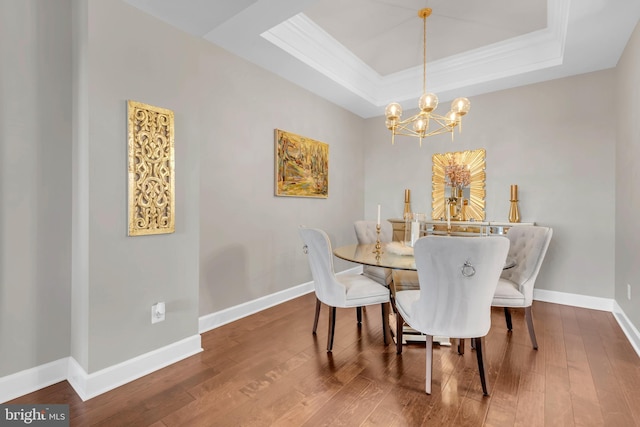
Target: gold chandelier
[{"x": 419, "y": 124}]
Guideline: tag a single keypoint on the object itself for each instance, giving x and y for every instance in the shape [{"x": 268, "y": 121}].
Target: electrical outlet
[
  {"x": 629, "y": 292},
  {"x": 157, "y": 312}
]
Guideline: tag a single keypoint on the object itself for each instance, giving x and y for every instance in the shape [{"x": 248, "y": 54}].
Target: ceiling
[{"x": 363, "y": 54}]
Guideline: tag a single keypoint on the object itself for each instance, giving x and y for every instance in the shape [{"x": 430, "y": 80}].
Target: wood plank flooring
[{"x": 269, "y": 370}]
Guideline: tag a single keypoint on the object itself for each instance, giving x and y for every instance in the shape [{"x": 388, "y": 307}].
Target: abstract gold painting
[{"x": 302, "y": 166}]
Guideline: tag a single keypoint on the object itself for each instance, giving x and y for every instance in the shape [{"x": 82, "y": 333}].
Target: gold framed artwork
[
  {"x": 151, "y": 164},
  {"x": 470, "y": 167},
  {"x": 302, "y": 166}
]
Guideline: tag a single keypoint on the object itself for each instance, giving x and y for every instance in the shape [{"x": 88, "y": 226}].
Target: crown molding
[{"x": 301, "y": 38}]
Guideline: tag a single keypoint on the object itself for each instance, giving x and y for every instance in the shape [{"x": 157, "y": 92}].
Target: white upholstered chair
[
  {"x": 458, "y": 277},
  {"x": 344, "y": 290},
  {"x": 529, "y": 245}
]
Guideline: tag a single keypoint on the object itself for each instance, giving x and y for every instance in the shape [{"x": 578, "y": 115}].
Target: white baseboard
[
  {"x": 594, "y": 303},
  {"x": 632, "y": 333},
  {"x": 228, "y": 315},
  {"x": 30, "y": 380},
  {"x": 574, "y": 300},
  {"x": 91, "y": 385}
]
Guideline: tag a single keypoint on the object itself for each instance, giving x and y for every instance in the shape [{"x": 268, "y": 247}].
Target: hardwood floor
[{"x": 268, "y": 369}]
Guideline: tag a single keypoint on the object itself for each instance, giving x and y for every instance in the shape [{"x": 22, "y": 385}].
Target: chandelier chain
[{"x": 424, "y": 55}]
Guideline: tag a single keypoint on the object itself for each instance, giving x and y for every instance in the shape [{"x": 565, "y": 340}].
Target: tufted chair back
[
  {"x": 458, "y": 278},
  {"x": 454, "y": 302},
  {"x": 366, "y": 231},
  {"x": 528, "y": 247},
  {"x": 366, "y": 234}
]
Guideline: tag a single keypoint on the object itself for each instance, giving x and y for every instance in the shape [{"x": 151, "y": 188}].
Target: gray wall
[
  {"x": 35, "y": 183},
  {"x": 147, "y": 61},
  {"x": 249, "y": 244},
  {"x": 628, "y": 180},
  {"x": 554, "y": 142}
]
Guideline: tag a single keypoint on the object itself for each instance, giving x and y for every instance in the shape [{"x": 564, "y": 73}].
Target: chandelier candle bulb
[{"x": 378, "y": 223}]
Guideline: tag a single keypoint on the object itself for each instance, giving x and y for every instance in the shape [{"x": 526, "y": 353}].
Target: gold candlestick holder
[
  {"x": 514, "y": 211},
  {"x": 407, "y": 203},
  {"x": 378, "y": 250}
]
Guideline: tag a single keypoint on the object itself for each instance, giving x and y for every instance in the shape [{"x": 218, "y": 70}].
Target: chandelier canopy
[{"x": 426, "y": 122}]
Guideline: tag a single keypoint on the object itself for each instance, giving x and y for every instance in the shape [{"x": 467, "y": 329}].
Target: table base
[{"x": 411, "y": 336}]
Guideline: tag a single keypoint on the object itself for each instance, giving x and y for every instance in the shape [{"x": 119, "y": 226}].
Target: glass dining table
[
  {"x": 398, "y": 258},
  {"x": 366, "y": 254}
]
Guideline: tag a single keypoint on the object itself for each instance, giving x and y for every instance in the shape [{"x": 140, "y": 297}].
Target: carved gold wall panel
[
  {"x": 474, "y": 160},
  {"x": 151, "y": 169}
]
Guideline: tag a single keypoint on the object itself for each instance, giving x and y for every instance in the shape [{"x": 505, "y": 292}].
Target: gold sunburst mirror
[{"x": 472, "y": 189}]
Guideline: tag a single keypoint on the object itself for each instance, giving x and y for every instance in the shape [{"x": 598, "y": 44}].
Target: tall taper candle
[{"x": 378, "y": 215}]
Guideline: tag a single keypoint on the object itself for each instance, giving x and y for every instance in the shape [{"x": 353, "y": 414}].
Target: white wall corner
[
  {"x": 91, "y": 385},
  {"x": 30, "y": 380}
]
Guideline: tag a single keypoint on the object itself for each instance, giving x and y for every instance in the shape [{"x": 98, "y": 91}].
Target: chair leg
[
  {"x": 460, "y": 346},
  {"x": 507, "y": 317},
  {"x": 332, "y": 328},
  {"x": 532, "y": 332},
  {"x": 392, "y": 296},
  {"x": 394, "y": 310},
  {"x": 399, "y": 326},
  {"x": 315, "y": 320},
  {"x": 386, "y": 329},
  {"x": 359, "y": 315},
  {"x": 479, "y": 344},
  {"x": 429, "y": 366}
]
